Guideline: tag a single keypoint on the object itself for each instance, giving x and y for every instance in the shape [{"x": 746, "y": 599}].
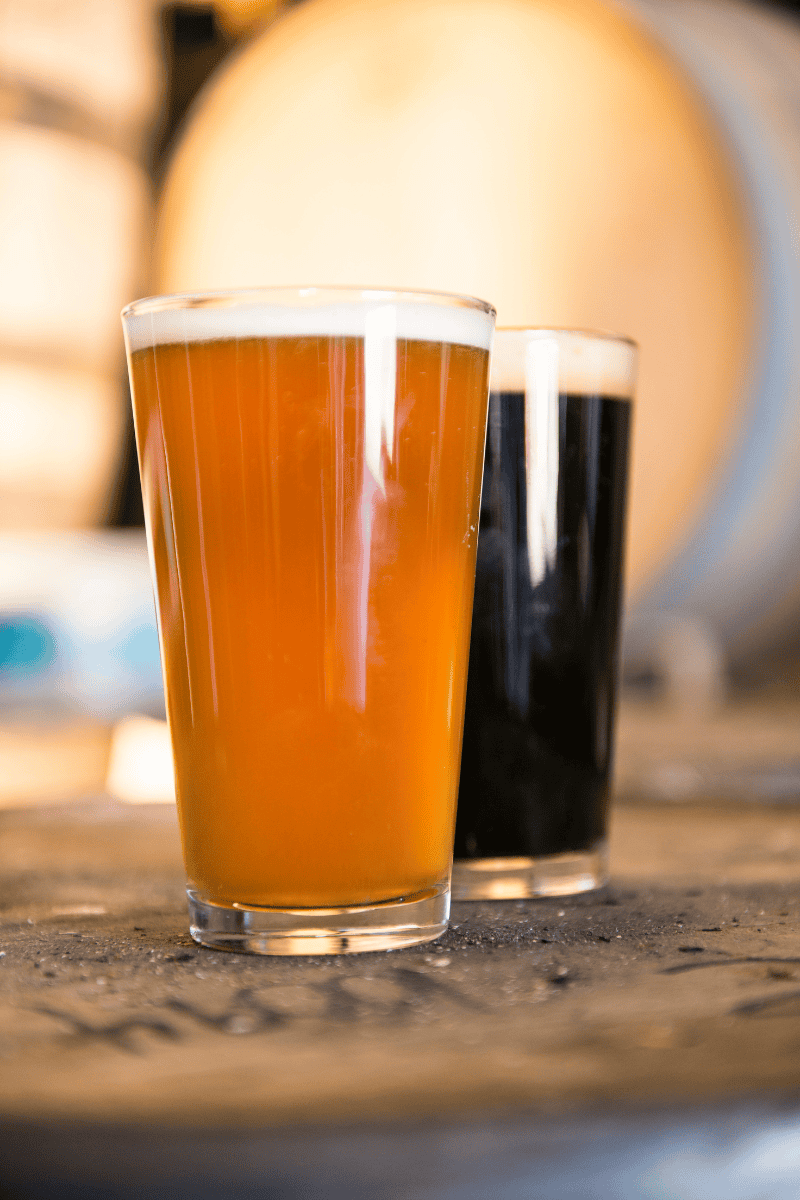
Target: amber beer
[{"x": 311, "y": 478}]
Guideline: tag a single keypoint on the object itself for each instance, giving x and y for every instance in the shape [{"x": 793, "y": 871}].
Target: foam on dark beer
[{"x": 586, "y": 365}]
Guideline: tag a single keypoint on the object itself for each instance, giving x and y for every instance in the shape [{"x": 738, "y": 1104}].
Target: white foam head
[
  {"x": 307, "y": 312},
  {"x": 587, "y": 363}
]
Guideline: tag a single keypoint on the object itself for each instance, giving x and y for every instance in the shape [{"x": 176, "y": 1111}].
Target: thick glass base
[
  {"x": 385, "y": 926},
  {"x": 520, "y": 878}
]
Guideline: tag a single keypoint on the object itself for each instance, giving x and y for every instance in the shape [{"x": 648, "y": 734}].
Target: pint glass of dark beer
[
  {"x": 534, "y": 786},
  {"x": 311, "y": 469}
]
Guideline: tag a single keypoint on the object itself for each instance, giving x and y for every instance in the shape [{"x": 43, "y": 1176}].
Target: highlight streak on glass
[
  {"x": 163, "y": 509},
  {"x": 541, "y": 450},
  {"x": 380, "y": 387},
  {"x": 202, "y": 534}
]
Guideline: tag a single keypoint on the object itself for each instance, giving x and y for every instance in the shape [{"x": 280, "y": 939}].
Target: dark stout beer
[{"x": 540, "y": 694}]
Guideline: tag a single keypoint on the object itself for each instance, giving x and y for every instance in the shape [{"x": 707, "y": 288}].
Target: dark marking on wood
[
  {"x": 767, "y": 1006},
  {"x": 725, "y": 962},
  {"x": 118, "y": 1033},
  {"x": 243, "y": 1004}
]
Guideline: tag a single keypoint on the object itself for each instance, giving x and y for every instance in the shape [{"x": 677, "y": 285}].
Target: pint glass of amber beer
[{"x": 311, "y": 466}]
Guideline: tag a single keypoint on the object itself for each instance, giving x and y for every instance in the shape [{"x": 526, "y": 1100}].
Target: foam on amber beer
[
  {"x": 414, "y": 322},
  {"x": 311, "y": 485}
]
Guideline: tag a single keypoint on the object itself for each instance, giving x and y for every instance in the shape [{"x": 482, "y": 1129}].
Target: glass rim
[
  {"x": 542, "y": 331},
  {"x": 304, "y": 296}
]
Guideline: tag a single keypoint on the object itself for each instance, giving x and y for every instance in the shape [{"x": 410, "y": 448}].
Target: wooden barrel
[
  {"x": 738, "y": 566},
  {"x": 563, "y": 162},
  {"x": 78, "y": 90}
]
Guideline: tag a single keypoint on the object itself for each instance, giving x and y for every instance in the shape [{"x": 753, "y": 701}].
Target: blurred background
[{"x": 627, "y": 167}]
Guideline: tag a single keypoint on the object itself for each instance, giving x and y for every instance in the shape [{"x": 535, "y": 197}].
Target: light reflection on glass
[{"x": 541, "y": 451}]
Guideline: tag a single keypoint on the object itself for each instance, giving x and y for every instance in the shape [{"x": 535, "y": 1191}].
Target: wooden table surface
[{"x": 676, "y": 989}]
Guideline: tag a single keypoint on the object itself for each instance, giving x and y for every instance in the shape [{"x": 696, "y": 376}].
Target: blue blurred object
[
  {"x": 77, "y": 624},
  {"x": 27, "y": 646}
]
